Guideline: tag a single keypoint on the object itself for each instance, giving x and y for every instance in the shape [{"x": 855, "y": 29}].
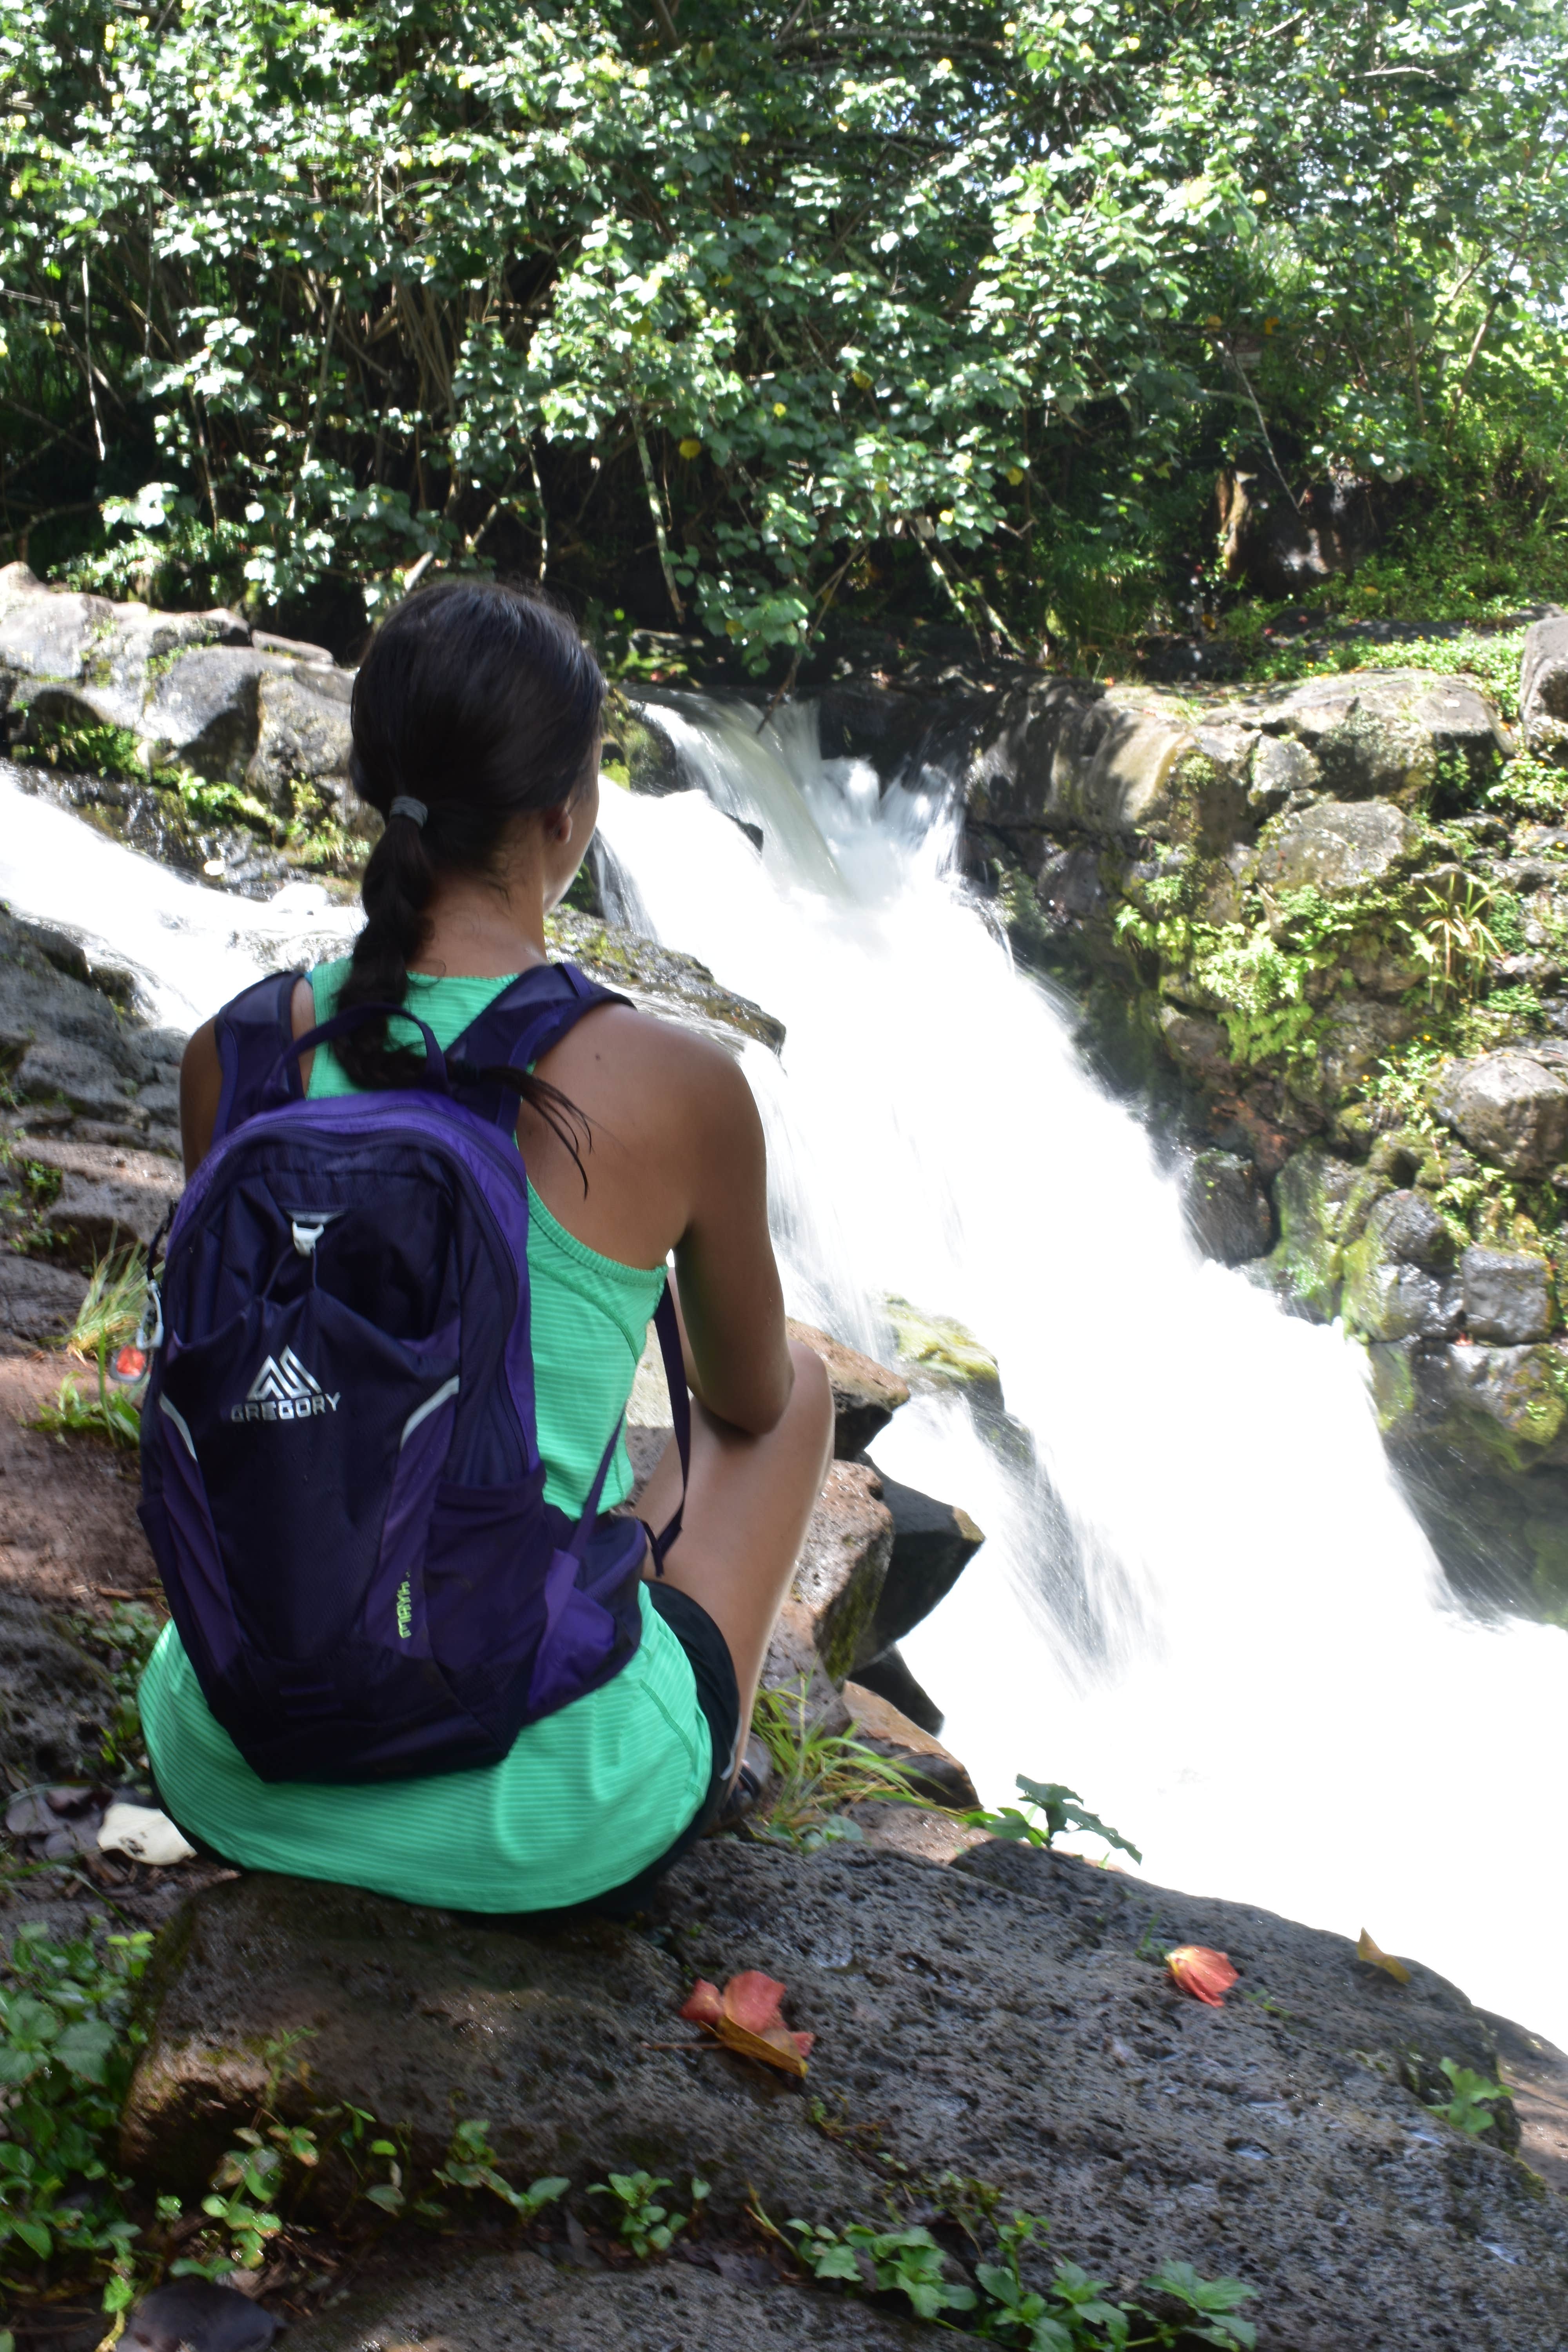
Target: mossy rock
[{"x": 942, "y": 1349}]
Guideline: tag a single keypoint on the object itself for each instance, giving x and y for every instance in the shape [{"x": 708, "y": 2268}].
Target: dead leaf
[
  {"x": 1367, "y": 1951},
  {"x": 748, "y": 2017},
  {"x": 1207, "y": 1976}
]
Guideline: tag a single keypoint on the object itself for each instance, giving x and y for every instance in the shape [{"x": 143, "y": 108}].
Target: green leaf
[{"x": 85, "y": 2049}]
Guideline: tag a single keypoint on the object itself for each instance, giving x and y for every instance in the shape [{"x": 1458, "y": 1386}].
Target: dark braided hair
[{"x": 482, "y": 702}]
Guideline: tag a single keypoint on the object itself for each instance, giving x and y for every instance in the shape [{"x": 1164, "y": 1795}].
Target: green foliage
[
  {"x": 107, "y": 1320},
  {"x": 471, "y": 2164},
  {"x": 1071, "y": 2313},
  {"x": 769, "y": 312},
  {"x": 67, "y": 2047},
  {"x": 84, "y": 751},
  {"x": 1473, "y": 2095},
  {"x": 123, "y": 1642},
  {"x": 647, "y": 2226},
  {"x": 98, "y": 1411},
  {"x": 818, "y": 1773},
  {"x": 1491, "y": 656},
  {"x": 1531, "y": 787},
  {"x": 1063, "y": 1809}
]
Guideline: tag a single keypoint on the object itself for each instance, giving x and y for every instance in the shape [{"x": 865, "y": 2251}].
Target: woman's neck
[{"x": 485, "y": 928}]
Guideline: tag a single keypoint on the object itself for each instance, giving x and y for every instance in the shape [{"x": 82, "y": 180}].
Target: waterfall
[{"x": 1207, "y": 1608}]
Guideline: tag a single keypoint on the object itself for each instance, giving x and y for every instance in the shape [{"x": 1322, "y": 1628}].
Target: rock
[
  {"x": 1002, "y": 2020},
  {"x": 939, "y": 1352},
  {"x": 198, "y": 2314},
  {"x": 1197, "y": 1044},
  {"x": 1390, "y": 1301},
  {"x": 71, "y": 1047},
  {"x": 843, "y": 1564},
  {"x": 1504, "y": 1406},
  {"x": 108, "y": 1195},
  {"x": 1359, "y": 1033},
  {"x": 934, "y": 1773},
  {"x": 1543, "y": 687},
  {"x": 1323, "y": 1205},
  {"x": 1510, "y": 1108},
  {"x": 1337, "y": 847},
  {"x": 549, "y": 2035},
  {"x": 934, "y": 1543},
  {"x": 792, "y": 1665},
  {"x": 203, "y": 711},
  {"x": 38, "y": 1302},
  {"x": 889, "y": 1675},
  {"x": 866, "y": 1395},
  {"x": 1226, "y": 1211},
  {"x": 1408, "y": 1228},
  {"x": 431, "y": 2299},
  {"x": 1508, "y": 1294},
  {"x": 1287, "y": 545},
  {"x": 660, "y": 978},
  {"x": 302, "y": 733},
  {"x": 1282, "y": 769},
  {"x": 54, "y": 1699}
]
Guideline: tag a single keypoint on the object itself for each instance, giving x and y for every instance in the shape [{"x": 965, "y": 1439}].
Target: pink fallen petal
[
  {"x": 703, "y": 2005},
  {"x": 754, "y": 2001},
  {"x": 1206, "y": 1975}
]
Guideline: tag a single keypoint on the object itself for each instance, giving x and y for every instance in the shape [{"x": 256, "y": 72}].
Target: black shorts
[{"x": 719, "y": 1697}]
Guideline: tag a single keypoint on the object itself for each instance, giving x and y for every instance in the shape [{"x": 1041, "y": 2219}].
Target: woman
[{"x": 477, "y": 726}]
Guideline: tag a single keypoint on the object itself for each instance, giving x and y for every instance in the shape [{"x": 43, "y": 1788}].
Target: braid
[{"x": 397, "y": 890}]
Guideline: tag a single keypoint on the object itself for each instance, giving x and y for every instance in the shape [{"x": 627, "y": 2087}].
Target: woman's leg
[{"x": 746, "y": 1508}]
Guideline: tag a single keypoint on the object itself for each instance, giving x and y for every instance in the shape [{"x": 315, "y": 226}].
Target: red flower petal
[
  {"x": 703, "y": 2005},
  {"x": 1207, "y": 1976},
  {"x": 755, "y": 2001}
]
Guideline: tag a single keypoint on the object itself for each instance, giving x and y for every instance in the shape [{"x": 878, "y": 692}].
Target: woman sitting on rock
[{"x": 409, "y": 1650}]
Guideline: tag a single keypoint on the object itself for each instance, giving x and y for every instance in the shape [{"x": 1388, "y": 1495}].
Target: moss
[{"x": 942, "y": 1348}]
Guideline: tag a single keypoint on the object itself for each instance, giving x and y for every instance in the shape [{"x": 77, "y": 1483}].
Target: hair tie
[{"x": 404, "y": 805}]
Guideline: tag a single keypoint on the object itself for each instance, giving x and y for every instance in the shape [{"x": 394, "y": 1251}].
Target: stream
[{"x": 1203, "y": 1603}]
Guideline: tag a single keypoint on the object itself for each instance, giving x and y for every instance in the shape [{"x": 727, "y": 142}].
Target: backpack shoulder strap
[
  {"x": 517, "y": 1028},
  {"x": 252, "y": 1031}
]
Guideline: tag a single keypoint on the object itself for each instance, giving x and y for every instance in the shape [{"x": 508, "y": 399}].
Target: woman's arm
[{"x": 732, "y": 1306}]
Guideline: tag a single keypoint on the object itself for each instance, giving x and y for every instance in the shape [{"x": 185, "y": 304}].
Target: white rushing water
[
  {"x": 1214, "y": 1615},
  {"x": 1230, "y": 1633}
]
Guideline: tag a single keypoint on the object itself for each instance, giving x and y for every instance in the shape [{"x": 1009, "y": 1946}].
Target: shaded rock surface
[
  {"x": 1006, "y": 2019},
  {"x": 843, "y": 1565},
  {"x": 1543, "y": 687},
  {"x": 934, "y": 1543},
  {"x": 78, "y": 1059},
  {"x": 866, "y": 1395},
  {"x": 889, "y": 1676},
  {"x": 934, "y": 1772}
]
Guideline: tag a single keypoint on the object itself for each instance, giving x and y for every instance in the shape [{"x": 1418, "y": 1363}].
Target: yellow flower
[
  {"x": 690, "y": 448},
  {"x": 1014, "y": 475},
  {"x": 779, "y": 408}
]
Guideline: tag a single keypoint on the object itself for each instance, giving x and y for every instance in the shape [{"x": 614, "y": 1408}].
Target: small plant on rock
[
  {"x": 1062, "y": 1809},
  {"x": 471, "y": 2164},
  {"x": 1468, "y": 2110},
  {"x": 645, "y": 2226},
  {"x": 819, "y": 1774}
]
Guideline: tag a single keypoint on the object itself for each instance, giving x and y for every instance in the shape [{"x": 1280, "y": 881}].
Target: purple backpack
[{"x": 341, "y": 1476}]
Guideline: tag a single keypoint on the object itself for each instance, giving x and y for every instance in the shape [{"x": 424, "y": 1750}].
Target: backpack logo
[{"x": 284, "y": 1390}]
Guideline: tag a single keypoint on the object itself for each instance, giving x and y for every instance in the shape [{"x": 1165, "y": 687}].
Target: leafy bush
[{"x": 763, "y": 313}]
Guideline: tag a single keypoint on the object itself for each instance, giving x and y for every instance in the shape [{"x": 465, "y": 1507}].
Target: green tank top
[{"x": 588, "y": 1797}]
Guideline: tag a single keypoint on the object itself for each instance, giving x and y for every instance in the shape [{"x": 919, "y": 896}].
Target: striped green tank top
[{"x": 585, "y": 1799}]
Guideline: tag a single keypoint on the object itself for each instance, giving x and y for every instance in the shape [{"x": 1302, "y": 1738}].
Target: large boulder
[
  {"x": 80, "y": 661},
  {"x": 1337, "y": 847},
  {"x": 1511, "y": 1106},
  {"x": 77, "y": 1059},
  {"x": 205, "y": 710},
  {"x": 302, "y": 735},
  {"x": 843, "y": 1565},
  {"x": 1543, "y": 687},
  {"x": 1007, "y": 2020},
  {"x": 934, "y": 1543},
  {"x": 1225, "y": 1208},
  {"x": 1508, "y": 1294}
]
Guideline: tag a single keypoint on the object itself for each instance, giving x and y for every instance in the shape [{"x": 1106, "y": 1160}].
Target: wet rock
[
  {"x": 1391, "y": 1301},
  {"x": 843, "y": 1565},
  {"x": 1323, "y": 1205},
  {"x": 69, "y": 1047},
  {"x": 1360, "y": 1032},
  {"x": 1337, "y": 847},
  {"x": 939, "y": 1353},
  {"x": 1510, "y": 1108},
  {"x": 302, "y": 734},
  {"x": 933, "y": 1771},
  {"x": 660, "y": 978},
  {"x": 1197, "y": 1044},
  {"x": 866, "y": 1395},
  {"x": 1543, "y": 687},
  {"x": 1226, "y": 1211},
  {"x": 1407, "y": 1226},
  {"x": 1508, "y": 1294},
  {"x": 889, "y": 1675},
  {"x": 934, "y": 1543},
  {"x": 1502, "y": 1407},
  {"x": 1002, "y": 2020}
]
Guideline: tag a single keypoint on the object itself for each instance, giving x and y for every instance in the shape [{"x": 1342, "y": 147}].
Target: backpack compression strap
[{"x": 252, "y": 1031}]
